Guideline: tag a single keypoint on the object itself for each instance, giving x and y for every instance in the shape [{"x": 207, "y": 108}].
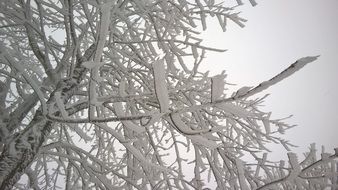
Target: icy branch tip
[
  {"x": 300, "y": 63},
  {"x": 308, "y": 59}
]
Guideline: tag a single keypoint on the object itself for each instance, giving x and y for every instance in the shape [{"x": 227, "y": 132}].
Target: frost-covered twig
[
  {"x": 105, "y": 10},
  {"x": 174, "y": 41},
  {"x": 29, "y": 80},
  {"x": 300, "y": 63}
]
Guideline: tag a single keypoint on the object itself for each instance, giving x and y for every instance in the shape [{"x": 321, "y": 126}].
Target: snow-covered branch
[{"x": 109, "y": 95}]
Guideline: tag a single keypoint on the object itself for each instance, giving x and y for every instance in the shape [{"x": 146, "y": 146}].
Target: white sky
[{"x": 279, "y": 32}]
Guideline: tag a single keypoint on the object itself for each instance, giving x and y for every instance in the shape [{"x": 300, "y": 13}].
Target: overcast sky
[{"x": 279, "y": 32}]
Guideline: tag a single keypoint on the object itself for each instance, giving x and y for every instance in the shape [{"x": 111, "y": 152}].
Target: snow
[
  {"x": 92, "y": 64},
  {"x": 266, "y": 124},
  {"x": 235, "y": 110},
  {"x": 239, "y": 2},
  {"x": 128, "y": 124},
  {"x": 222, "y": 21},
  {"x": 21, "y": 69},
  {"x": 155, "y": 117},
  {"x": 161, "y": 90},
  {"x": 241, "y": 172},
  {"x": 127, "y": 144},
  {"x": 201, "y": 141},
  {"x": 104, "y": 26},
  {"x": 122, "y": 88},
  {"x": 139, "y": 156},
  {"x": 217, "y": 87},
  {"x": 12, "y": 149},
  {"x": 300, "y": 63},
  {"x": 80, "y": 132},
  {"x": 194, "y": 52},
  {"x": 195, "y": 135},
  {"x": 184, "y": 128},
  {"x": 253, "y": 2},
  {"x": 243, "y": 90},
  {"x": 293, "y": 160},
  {"x": 60, "y": 104}
]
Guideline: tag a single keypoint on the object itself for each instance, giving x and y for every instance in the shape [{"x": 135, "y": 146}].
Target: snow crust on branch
[
  {"x": 132, "y": 110},
  {"x": 300, "y": 63},
  {"x": 182, "y": 127},
  {"x": 240, "y": 169},
  {"x": 161, "y": 89},
  {"x": 21, "y": 69},
  {"x": 217, "y": 87},
  {"x": 128, "y": 124}
]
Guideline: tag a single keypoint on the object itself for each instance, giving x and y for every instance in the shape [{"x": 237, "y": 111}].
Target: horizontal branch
[
  {"x": 262, "y": 86},
  {"x": 97, "y": 120},
  {"x": 175, "y": 41}
]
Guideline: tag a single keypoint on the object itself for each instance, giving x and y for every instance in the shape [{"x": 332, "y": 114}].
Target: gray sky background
[{"x": 279, "y": 32}]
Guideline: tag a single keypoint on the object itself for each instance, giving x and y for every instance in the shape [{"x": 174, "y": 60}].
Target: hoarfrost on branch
[{"x": 109, "y": 95}]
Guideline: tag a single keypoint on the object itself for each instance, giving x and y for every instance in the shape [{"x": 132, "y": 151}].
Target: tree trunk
[{"x": 19, "y": 152}]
